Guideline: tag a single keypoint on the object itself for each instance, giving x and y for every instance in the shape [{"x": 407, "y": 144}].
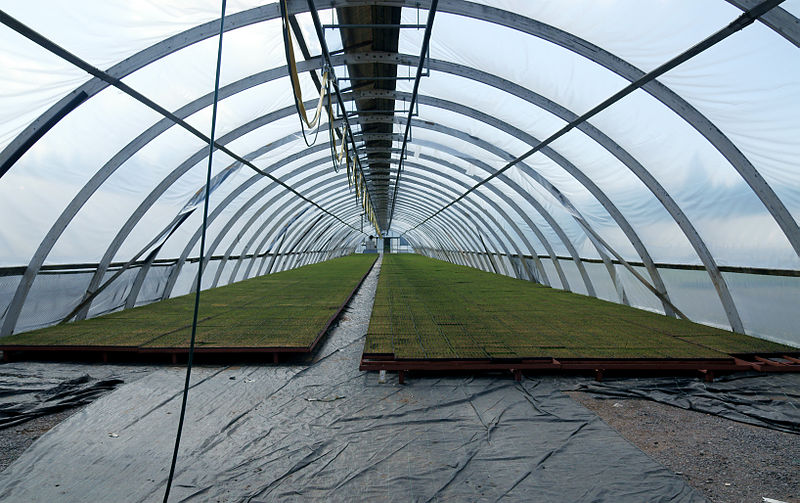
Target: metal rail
[
  {"x": 334, "y": 83},
  {"x": 425, "y": 44}
]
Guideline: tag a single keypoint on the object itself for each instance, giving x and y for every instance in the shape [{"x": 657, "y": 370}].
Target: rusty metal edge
[{"x": 721, "y": 365}]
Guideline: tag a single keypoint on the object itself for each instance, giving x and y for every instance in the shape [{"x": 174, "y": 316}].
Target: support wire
[{"x": 199, "y": 262}]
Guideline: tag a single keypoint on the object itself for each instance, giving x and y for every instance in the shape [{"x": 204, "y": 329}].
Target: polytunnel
[{"x": 641, "y": 153}]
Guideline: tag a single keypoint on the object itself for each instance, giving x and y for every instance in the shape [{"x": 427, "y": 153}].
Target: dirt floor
[{"x": 729, "y": 462}]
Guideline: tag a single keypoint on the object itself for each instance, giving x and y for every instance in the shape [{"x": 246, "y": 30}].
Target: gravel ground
[
  {"x": 729, "y": 462},
  {"x": 14, "y": 440},
  {"x": 32, "y": 383}
]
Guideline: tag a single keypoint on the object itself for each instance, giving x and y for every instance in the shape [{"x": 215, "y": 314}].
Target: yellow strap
[
  {"x": 341, "y": 151},
  {"x": 296, "y": 81},
  {"x": 354, "y": 177}
]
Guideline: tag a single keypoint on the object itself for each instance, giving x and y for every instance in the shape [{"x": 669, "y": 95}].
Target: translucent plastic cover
[{"x": 690, "y": 180}]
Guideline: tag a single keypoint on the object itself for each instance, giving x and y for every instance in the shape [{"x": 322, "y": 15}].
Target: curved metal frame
[
  {"x": 250, "y": 126},
  {"x": 539, "y": 208},
  {"x": 422, "y": 195},
  {"x": 471, "y": 254},
  {"x": 219, "y": 208},
  {"x": 568, "y": 245},
  {"x": 655, "y": 88},
  {"x": 276, "y": 216},
  {"x": 228, "y": 90},
  {"x": 570, "y": 168},
  {"x": 304, "y": 256},
  {"x": 273, "y": 75},
  {"x": 508, "y": 201},
  {"x": 677, "y": 214},
  {"x": 419, "y": 196},
  {"x": 779, "y": 20},
  {"x": 649, "y": 181},
  {"x": 265, "y": 237},
  {"x": 245, "y": 206},
  {"x": 276, "y": 114},
  {"x": 496, "y": 16},
  {"x": 531, "y": 200},
  {"x": 232, "y": 196},
  {"x": 638, "y": 170},
  {"x": 241, "y": 210},
  {"x": 239, "y": 235}
]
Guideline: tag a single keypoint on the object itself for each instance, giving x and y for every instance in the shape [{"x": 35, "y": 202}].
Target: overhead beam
[
  {"x": 426, "y": 40},
  {"x": 335, "y": 84}
]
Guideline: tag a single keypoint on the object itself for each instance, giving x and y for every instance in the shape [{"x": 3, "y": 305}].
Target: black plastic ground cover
[
  {"x": 328, "y": 432},
  {"x": 768, "y": 401},
  {"x": 16, "y": 352},
  {"x": 65, "y": 395},
  {"x": 30, "y": 390}
]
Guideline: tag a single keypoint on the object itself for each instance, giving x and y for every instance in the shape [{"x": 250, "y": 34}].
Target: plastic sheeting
[
  {"x": 770, "y": 401},
  {"x": 328, "y": 431},
  {"x": 529, "y": 69},
  {"x": 29, "y": 390}
]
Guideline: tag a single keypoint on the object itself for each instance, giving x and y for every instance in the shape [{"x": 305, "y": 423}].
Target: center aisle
[{"x": 330, "y": 432}]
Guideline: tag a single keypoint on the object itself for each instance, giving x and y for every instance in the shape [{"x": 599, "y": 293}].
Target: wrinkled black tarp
[
  {"x": 30, "y": 389},
  {"x": 65, "y": 395},
  {"x": 327, "y": 432},
  {"x": 767, "y": 400}
]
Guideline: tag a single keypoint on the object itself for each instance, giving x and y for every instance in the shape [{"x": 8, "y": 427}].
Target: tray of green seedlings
[
  {"x": 287, "y": 309},
  {"x": 95, "y": 332},
  {"x": 127, "y": 329},
  {"x": 378, "y": 345},
  {"x": 290, "y": 314},
  {"x": 439, "y": 310}
]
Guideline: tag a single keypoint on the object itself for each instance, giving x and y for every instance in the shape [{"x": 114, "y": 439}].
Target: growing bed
[
  {"x": 283, "y": 312},
  {"x": 428, "y": 312}
]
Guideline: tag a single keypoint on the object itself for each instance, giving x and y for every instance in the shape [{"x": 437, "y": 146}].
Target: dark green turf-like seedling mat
[
  {"x": 284, "y": 312},
  {"x": 426, "y": 309}
]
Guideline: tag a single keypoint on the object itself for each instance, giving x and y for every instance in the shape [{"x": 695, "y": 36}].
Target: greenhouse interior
[{"x": 400, "y": 250}]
